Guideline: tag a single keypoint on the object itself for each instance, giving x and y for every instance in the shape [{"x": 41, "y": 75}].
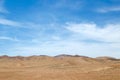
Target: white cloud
[
  {"x": 108, "y": 33},
  {"x": 12, "y": 23},
  {"x": 109, "y": 9},
  {"x": 68, "y": 47},
  {"x": 9, "y": 22},
  {"x": 8, "y": 38},
  {"x": 73, "y": 44},
  {"x": 2, "y": 7}
]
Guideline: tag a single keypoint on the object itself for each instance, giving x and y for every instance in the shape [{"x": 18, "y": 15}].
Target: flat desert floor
[{"x": 59, "y": 68}]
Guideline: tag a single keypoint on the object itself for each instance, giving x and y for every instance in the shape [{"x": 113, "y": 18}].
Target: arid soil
[{"x": 59, "y": 68}]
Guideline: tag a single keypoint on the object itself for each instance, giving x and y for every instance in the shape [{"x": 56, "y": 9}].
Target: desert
[{"x": 61, "y": 67}]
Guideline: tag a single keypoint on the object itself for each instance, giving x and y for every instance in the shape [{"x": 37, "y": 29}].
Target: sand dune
[{"x": 61, "y": 67}]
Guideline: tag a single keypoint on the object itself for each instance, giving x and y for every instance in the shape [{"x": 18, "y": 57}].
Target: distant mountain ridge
[{"x": 57, "y": 56}]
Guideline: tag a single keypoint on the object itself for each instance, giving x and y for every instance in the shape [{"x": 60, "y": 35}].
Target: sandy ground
[{"x": 58, "y": 68}]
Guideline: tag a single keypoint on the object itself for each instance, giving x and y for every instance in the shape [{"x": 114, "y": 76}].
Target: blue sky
[{"x": 52, "y": 27}]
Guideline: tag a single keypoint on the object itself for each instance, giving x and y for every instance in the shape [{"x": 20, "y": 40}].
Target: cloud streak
[
  {"x": 8, "y": 38},
  {"x": 68, "y": 47},
  {"x": 7, "y": 22},
  {"x": 75, "y": 43},
  {"x": 12, "y": 23},
  {"x": 109, "y": 9},
  {"x": 2, "y": 7},
  {"x": 108, "y": 33}
]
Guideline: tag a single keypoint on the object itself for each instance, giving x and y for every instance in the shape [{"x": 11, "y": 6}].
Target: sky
[{"x": 53, "y": 27}]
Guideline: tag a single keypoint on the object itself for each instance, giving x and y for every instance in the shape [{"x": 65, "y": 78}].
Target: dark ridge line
[{"x": 61, "y": 55}]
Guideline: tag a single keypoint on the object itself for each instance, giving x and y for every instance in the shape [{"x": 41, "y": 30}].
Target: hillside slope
[{"x": 59, "y": 68}]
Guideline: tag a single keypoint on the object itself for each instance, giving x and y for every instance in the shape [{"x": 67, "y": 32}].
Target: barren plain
[{"x": 62, "y": 67}]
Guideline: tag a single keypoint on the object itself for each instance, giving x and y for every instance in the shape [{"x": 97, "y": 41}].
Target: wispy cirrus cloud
[
  {"x": 107, "y": 33},
  {"x": 68, "y": 47},
  {"x": 109, "y": 9},
  {"x": 8, "y": 38},
  {"x": 13, "y": 23},
  {"x": 8, "y": 22},
  {"x": 75, "y": 43},
  {"x": 2, "y": 7}
]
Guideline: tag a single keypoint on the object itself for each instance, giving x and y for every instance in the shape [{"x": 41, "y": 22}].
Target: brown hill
[{"x": 61, "y": 67}]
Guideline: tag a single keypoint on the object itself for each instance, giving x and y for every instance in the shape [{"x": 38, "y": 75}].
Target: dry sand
[{"x": 59, "y": 68}]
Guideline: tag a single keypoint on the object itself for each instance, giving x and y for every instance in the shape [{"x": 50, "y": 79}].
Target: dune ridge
[{"x": 60, "y": 67}]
